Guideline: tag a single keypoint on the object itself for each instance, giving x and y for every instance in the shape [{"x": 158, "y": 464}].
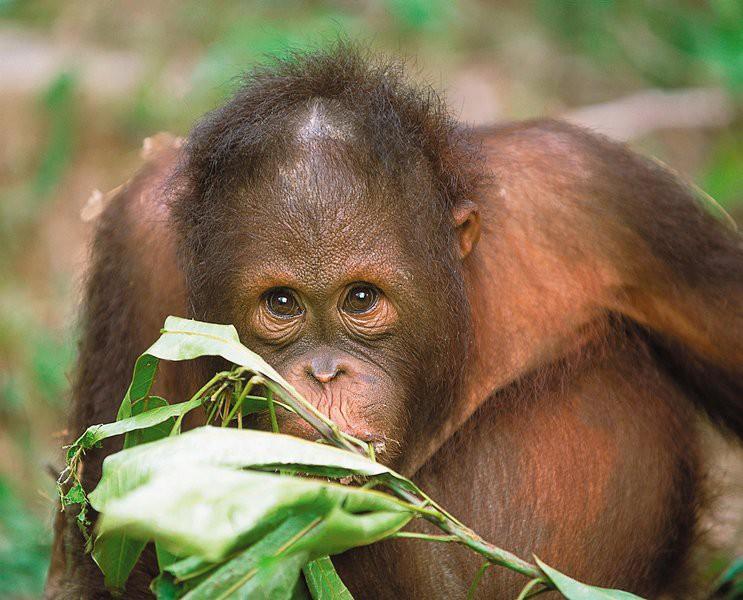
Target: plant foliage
[{"x": 239, "y": 513}]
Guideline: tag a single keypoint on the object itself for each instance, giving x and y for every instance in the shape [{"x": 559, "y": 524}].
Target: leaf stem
[
  {"x": 476, "y": 581},
  {"x": 425, "y": 536},
  {"x": 272, "y": 412},
  {"x": 526, "y": 592}
]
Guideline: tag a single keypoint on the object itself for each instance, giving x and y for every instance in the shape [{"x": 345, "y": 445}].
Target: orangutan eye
[
  {"x": 361, "y": 298},
  {"x": 283, "y": 303}
]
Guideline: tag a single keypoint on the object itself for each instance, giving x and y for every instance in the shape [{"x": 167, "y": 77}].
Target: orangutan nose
[{"x": 324, "y": 369}]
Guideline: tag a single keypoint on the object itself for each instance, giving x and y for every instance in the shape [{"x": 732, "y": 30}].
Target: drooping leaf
[
  {"x": 116, "y": 554},
  {"x": 151, "y": 418},
  {"x": 151, "y": 434},
  {"x": 97, "y": 433},
  {"x": 324, "y": 582},
  {"x": 210, "y": 512},
  {"x": 165, "y": 588},
  {"x": 575, "y": 590},
  {"x": 164, "y": 558}
]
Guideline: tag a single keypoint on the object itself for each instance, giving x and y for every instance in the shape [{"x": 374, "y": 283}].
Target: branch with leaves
[{"x": 232, "y": 511}]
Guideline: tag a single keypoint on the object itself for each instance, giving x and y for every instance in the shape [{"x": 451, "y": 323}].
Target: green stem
[
  {"x": 241, "y": 398},
  {"x": 202, "y": 390},
  {"x": 529, "y": 588},
  {"x": 425, "y": 536},
  {"x": 476, "y": 580},
  {"x": 272, "y": 412},
  {"x": 494, "y": 554}
]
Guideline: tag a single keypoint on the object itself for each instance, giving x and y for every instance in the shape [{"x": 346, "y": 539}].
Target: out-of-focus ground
[{"x": 82, "y": 83}]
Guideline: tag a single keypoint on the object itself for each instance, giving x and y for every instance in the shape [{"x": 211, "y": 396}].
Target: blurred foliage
[
  {"x": 542, "y": 56},
  {"x": 723, "y": 176},
  {"x": 670, "y": 43},
  {"x": 58, "y": 102},
  {"x": 21, "y": 205},
  {"x": 24, "y": 547}
]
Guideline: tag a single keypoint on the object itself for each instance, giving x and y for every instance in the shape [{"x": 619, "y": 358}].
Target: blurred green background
[{"x": 82, "y": 83}]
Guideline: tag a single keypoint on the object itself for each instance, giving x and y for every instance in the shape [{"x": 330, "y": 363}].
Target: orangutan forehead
[{"x": 330, "y": 172}]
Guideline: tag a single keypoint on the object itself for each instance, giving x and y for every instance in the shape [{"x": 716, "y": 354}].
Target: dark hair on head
[
  {"x": 404, "y": 129},
  {"x": 398, "y": 122}
]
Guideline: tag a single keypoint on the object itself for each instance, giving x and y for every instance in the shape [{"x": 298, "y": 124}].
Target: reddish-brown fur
[{"x": 604, "y": 307}]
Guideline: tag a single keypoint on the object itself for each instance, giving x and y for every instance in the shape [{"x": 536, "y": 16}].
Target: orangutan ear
[{"x": 467, "y": 224}]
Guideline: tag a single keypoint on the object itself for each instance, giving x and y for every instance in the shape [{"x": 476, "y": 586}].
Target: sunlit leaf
[
  {"x": 210, "y": 512},
  {"x": 230, "y": 448}
]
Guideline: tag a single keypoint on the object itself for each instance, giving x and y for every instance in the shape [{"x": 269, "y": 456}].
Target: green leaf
[
  {"x": 165, "y": 588},
  {"x": 168, "y": 586},
  {"x": 185, "y": 339},
  {"x": 729, "y": 584},
  {"x": 237, "y": 571},
  {"x": 228, "y": 447},
  {"x": 190, "y": 568},
  {"x": 575, "y": 590},
  {"x": 144, "y": 374},
  {"x": 97, "y": 433},
  {"x": 116, "y": 554},
  {"x": 151, "y": 434},
  {"x": 76, "y": 495},
  {"x": 211, "y": 512},
  {"x": 275, "y": 579},
  {"x": 323, "y": 581},
  {"x": 164, "y": 558}
]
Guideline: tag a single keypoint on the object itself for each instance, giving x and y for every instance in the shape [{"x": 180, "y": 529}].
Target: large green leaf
[
  {"x": 227, "y": 447},
  {"x": 323, "y": 581},
  {"x": 210, "y": 512},
  {"x": 575, "y": 590}
]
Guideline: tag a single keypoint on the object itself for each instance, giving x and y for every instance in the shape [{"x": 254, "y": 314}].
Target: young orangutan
[{"x": 527, "y": 319}]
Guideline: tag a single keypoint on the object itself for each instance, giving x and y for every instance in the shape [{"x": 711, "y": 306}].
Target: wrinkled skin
[
  {"x": 316, "y": 232},
  {"x": 536, "y": 352}
]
